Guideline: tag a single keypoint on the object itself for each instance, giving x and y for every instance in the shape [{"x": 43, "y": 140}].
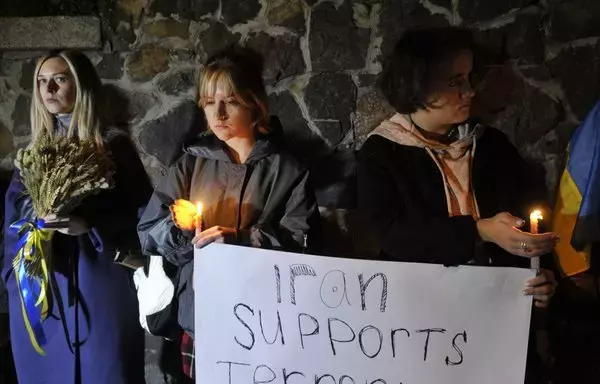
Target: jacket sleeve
[
  {"x": 156, "y": 229},
  {"x": 300, "y": 219},
  {"x": 404, "y": 236}
]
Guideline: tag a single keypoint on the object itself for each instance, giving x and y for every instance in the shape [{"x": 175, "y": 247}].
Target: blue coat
[
  {"x": 3, "y": 295},
  {"x": 100, "y": 305}
]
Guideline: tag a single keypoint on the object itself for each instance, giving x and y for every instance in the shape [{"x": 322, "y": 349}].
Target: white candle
[
  {"x": 534, "y": 218},
  {"x": 199, "y": 207}
]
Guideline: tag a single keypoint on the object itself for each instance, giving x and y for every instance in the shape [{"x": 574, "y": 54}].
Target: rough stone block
[
  {"x": 126, "y": 107},
  {"x": 442, "y": 3},
  {"x": 335, "y": 42},
  {"x": 331, "y": 98},
  {"x": 31, "y": 8},
  {"x": 111, "y": 66},
  {"x": 557, "y": 140},
  {"x": 286, "y": 13},
  {"x": 282, "y": 55},
  {"x": 367, "y": 79},
  {"x": 27, "y": 70},
  {"x": 147, "y": 62},
  {"x": 574, "y": 19},
  {"x": 20, "y": 116},
  {"x": 82, "y": 32},
  {"x": 179, "y": 82},
  {"x": 187, "y": 9},
  {"x": 399, "y": 15},
  {"x": 163, "y": 137},
  {"x": 125, "y": 17},
  {"x": 6, "y": 141},
  {"x": 211, "y": 39},
  {"x": 168, "y": 28},
  {"x": 521, "y": 111},
  {"x": 372, "y": 109},
  {"x": 129, "y": 11},
  {"x": 578, "y": 70},
  {"x": 332, "y": 130},
  {"x": 525, "y": 38},
  {"x": 522, "y": 40},
  {"x": 239, "y": 11},
  {"x": 301, "y": 140},
  {"x": 482, "y": 10}
]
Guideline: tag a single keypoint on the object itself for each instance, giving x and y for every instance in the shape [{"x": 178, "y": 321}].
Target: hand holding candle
[
  {"x": 188, "y": 216},
  {"x": 183, "y": 213}
]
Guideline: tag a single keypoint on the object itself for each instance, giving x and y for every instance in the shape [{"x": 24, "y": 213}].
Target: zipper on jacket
[
  {"x": 238, "y": 224},
  {"x": 304, "y": 242}
]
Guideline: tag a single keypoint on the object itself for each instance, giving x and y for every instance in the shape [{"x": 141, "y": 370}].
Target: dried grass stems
[{"x": 59, "y": 173}]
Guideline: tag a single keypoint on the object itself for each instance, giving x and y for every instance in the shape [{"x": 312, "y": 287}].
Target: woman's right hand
[
  {"x": 67, "y": 225},
  {"x": 183, "y": 213},
  {"x": 503, "y": 230},
  {"x": 214, "y": 234}
]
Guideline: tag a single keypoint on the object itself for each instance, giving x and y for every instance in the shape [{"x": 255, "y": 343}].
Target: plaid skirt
[{"x": 188, "y": 355}]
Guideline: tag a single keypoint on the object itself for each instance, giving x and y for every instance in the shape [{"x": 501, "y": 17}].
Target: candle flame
[
  {"x": 199, "y": 207},
  {"x": 536, "y": 214}
]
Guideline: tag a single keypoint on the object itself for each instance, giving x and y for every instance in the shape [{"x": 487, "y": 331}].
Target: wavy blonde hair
[
  {"x": 85, "y": 120},
  {"x": 239, "y": 70}
]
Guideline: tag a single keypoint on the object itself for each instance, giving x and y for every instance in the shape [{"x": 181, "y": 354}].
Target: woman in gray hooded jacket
[{"x": 254, "y": 192}]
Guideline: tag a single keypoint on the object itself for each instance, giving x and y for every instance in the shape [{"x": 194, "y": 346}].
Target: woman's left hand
[
  {"x": 68, "y": 225},
  {"x": 214, "y": 234},
  {"x": 541, "y": 287}
]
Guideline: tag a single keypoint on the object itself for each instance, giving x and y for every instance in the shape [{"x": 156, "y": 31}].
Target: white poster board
[{"x": 283, "y": 318}]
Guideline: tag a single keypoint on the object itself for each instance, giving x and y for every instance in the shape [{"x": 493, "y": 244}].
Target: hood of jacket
[
  {"x": 208, "y": 146},
  {"x": 401, "y": 130}
]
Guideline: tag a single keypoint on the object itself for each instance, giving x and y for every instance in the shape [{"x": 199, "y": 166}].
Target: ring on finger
[{"x": 524, "y": 247}]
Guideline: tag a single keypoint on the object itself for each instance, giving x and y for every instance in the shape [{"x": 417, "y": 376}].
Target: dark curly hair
[{"x": 409, "y": 72}]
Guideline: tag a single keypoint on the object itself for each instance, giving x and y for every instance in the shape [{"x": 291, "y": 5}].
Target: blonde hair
[
  {"x": 239, "y": 70},
  {"x": 85, "y": 119}
]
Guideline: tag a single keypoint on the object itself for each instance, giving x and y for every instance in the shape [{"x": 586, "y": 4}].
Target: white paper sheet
[{"x": 275, "y": 317}]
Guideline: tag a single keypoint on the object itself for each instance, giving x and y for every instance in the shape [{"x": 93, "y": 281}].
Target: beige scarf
[{"x": 453, "y": 160}]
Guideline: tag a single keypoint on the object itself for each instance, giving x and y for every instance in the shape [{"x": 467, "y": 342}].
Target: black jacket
[
  {"x": 268, "y": 200},
  {"x": 402, "y": 196}
]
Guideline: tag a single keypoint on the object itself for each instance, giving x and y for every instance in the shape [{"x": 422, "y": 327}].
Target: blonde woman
[
  {"x": 91, "y": 335},
  {"x": 254, "y": 192}
]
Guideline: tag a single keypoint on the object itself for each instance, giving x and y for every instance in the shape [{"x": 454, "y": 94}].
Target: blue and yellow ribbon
[{"x": 32, "y": 289}]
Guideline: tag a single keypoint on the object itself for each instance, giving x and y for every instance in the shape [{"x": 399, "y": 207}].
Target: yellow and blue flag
[{"x": 577, "y": 212}]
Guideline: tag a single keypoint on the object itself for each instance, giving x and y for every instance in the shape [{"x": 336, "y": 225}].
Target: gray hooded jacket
[{"x": 267, "y": 199}]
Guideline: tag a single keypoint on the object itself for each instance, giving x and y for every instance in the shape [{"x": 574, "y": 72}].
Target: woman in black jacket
[
  {"x": 253, "y": 191},
  {"x": 437, "y": 187}
]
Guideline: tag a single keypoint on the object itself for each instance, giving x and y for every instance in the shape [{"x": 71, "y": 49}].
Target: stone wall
[{"x": 539, "y": 76}]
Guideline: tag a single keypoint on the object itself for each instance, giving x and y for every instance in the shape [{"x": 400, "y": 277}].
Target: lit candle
[
  {"x": 534, "y": 218},
  {"x": 199, "y": 207}
]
